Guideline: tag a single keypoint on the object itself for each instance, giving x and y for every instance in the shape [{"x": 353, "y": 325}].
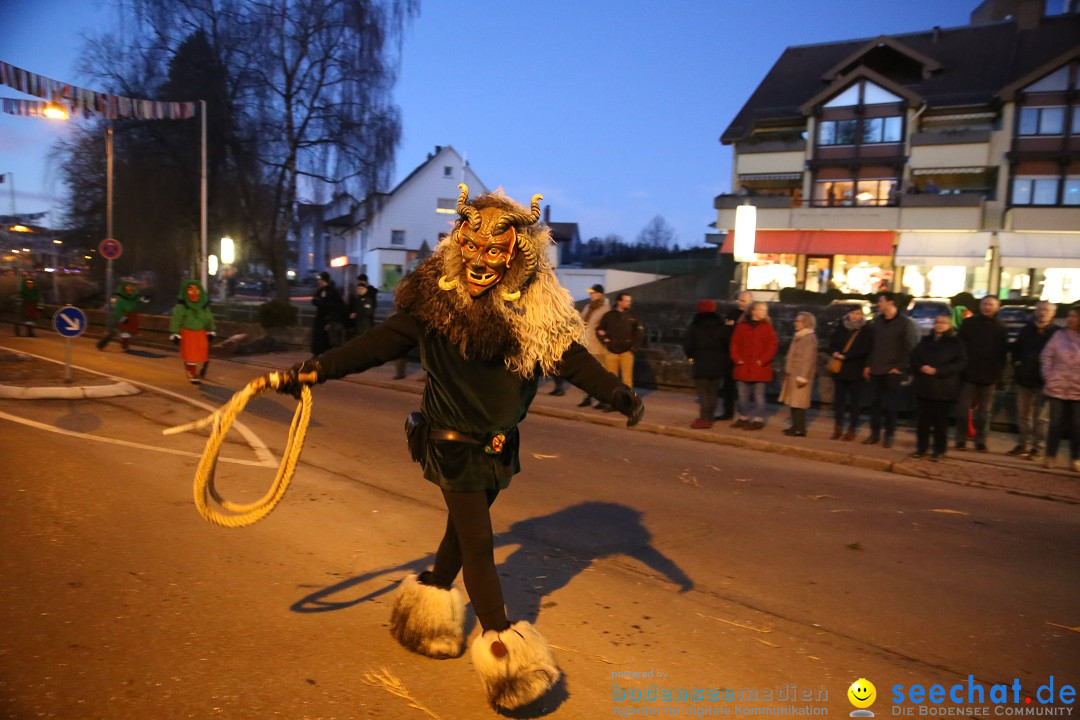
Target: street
[{"x": 631, "y": 551}]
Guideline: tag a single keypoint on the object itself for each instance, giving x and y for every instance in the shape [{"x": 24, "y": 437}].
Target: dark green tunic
[{"x": 477, "y": 397}]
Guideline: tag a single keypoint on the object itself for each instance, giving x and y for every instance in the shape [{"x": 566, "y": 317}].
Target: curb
[{"x": 67, "y": 392}]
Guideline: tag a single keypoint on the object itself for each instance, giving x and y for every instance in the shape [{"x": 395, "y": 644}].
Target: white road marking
[{"x": 266, "y": 458}]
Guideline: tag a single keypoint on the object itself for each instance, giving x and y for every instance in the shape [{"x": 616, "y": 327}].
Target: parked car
[
  {"x": 924, "y": 310},
  {"x": 1015, "y": 317}
]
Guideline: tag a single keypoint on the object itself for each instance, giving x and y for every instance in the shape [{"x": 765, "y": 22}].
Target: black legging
[{"x": 469, "y": 544}]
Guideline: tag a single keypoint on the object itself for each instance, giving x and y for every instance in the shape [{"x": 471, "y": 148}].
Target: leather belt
[{"x": 452, "y": 436}]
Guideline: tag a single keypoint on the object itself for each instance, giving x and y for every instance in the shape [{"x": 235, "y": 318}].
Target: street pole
[
  {"x": 11, "y": 177},
  {"x": 108, "y": 214},
  {"x": 202, "y": 201}
]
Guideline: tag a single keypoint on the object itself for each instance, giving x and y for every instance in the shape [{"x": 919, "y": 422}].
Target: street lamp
[
  {"x": 745, "y": 237},
  {"x": 212, "y": 262},
  {"x": 228, "y": 256}
]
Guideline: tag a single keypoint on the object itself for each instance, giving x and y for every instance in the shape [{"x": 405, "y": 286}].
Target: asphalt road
[{"x": 632, "y": 552}]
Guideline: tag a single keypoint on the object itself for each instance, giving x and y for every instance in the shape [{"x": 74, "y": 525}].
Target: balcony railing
[{"x": 950, "y": 137}]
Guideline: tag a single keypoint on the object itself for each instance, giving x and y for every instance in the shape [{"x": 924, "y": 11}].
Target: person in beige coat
[{"x": 799, "y": 368}]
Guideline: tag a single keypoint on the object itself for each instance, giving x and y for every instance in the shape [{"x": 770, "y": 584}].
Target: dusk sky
[{"x": 611, "y": 110}]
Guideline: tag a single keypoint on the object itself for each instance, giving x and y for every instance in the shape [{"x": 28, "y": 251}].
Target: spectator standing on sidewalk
[
  {"x": 1030, "y": 398},
  {"x": 1060, "y": 362},
  {"x": 937, "y": 362},
  {"x": 707, "y": 344},
  {"x": 986, "y": 341},
  {"x": 734, "y": 315},
  {"x": 753, "y": 347},
  {"x": 329, "y": 316},
  {"x": 850, "y": 344},
  {"x": 799, "y": 368},
  {"x": 894, "y": 337},
  {"x": 593, "y": 311},
  {"x": 621, "y": 334}
]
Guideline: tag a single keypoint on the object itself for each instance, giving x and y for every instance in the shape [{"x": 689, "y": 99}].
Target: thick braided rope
[{"x": 243, "y": 514}]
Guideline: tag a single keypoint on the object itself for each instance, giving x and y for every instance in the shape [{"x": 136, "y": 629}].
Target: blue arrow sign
[{"x": 69, "y": 321}]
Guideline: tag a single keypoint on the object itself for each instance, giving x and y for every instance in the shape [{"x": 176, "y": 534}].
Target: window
[
  {"x": 1076, "y": 120},
  {"x": 447, "y": 171},
  {"x": 882, "y": 130},
  {"x": 1034, "y": 190},
  {"x": 1055, "y": 81},
  {"x": 875, "y": 95},
  {"x": 875, "y": 192},
  {"x": 1042, "y": 121},
  {"x": 1071, "y": 193},
  {"x": 447, "y": 206},
  {"x": 848, "y": 98},
  {"x": 397, "y": 237},
  {"x": 837, "y": 132},
  {"x": 833, "y": 193}
]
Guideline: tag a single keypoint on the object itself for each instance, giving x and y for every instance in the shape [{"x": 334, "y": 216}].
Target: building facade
[{"x": 933, "y": 162}]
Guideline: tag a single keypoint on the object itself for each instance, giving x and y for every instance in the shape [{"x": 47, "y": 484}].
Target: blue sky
[{"x": 612, "y": 109}]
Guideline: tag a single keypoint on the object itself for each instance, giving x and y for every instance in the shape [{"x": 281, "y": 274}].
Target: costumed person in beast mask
[
  {"x": 191, "y": 328},
  {"x": 30, "y": 297},
  {"x": 125, "y": 312},
  {"x": 491, "y": 319}
]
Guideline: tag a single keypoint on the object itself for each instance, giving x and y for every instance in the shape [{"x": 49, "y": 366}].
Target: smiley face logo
[{"x": 862, "y": 693}]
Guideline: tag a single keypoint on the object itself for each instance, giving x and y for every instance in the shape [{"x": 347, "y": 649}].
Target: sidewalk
[{"x": 671, "y": 412}]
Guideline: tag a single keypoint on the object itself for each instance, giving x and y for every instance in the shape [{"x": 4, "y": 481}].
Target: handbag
[
  {"x": 416, "y": 433},
  {"x": 835, "y": 365}
]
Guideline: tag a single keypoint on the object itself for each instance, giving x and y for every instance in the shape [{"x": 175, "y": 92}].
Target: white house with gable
[{"x": 392, "y": 232}]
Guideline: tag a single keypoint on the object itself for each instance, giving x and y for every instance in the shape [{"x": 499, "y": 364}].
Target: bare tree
[
  {"x": 657, "y": 234},
  {"x": 307, "y": 97}
]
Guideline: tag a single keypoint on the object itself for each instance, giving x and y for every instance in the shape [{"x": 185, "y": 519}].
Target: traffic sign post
[
  {"x": 110, "y": 249},
  {"x": 70, "y": 322}
]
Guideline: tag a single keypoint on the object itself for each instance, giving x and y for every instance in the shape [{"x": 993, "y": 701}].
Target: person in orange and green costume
[
  {"x": 191, "y": 328},
  {"x": 125, "y": 312},
  {"x": 30, "y": 297}
]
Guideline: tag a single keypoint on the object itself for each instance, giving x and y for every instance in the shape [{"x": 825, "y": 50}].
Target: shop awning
[
  {"x": 1039, "y": 250},
  {"x": 942, "y": 248},
  {"x": 819, "y": 242}
]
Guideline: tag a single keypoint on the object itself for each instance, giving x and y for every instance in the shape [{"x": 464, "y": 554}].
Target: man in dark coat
[
  {"x": 986, "y": 340},
  {"x": 1030, "y": 398},
  {"x": 707, "y": 344},
  {"x": 621, "y": 333},
  {"x": 490, "y": 319},
  {"x": 890, "y": 352},
  {"x": 329, "y": 316},
  {"x": 936, "y": 362}
]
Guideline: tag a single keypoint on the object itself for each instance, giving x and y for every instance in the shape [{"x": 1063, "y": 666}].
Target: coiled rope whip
[{"x": 222, "y": 419}]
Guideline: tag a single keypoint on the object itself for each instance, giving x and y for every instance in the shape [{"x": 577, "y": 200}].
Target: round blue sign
[{"x": 69, "y": 321}]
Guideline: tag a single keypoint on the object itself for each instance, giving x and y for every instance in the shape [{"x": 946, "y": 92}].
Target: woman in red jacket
[{"x": 753, "y": 347}]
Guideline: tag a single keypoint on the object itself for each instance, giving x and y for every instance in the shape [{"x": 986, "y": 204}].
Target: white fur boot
[
  {"x": 515, "y": 665},
  {"x": 429, "y": 620}
]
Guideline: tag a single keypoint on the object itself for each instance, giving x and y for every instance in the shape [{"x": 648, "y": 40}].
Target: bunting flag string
[{"x": 80, "y": 102}]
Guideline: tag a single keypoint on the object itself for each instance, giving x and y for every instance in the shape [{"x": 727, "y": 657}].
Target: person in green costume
[
  {"x": 192, "y": 327},
  {"x": 30, "y": 297},
  {"x": 126, "y": 303},
  {"x": 490, "y": 319}
]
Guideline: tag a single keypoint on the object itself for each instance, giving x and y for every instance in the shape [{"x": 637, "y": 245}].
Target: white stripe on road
[
  {"x": 125, "y": 443},
  {"x": 266, "y": 458}
]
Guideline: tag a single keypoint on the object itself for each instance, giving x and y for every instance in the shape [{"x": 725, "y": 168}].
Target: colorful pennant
[{"x": 80, "y": 102}]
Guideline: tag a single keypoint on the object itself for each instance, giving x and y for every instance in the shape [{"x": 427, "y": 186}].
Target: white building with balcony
[{"x": 933, "y": 162}]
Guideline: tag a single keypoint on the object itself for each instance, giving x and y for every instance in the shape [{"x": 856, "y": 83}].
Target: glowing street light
[
  {"x": 53, "y": 111},
  {"x": 745, "y": 232},
  {"x": 213, "y": 263},
  {"x": 228, "y": 251}
]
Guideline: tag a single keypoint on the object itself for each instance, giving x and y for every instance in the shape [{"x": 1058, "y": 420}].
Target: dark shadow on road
[
  {"x": 76, "y": 421},
  {"x": 552, "y": 550},
  {"x": 260, "y": 406},
  {"x": 556, "y": 547},
  {"x": 146, "y": 354},
  {"x": 324, "y": 600}
]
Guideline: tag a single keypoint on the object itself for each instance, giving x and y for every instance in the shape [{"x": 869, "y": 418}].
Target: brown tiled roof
[
  {"x": 977, "y": 62},
  {"x": 563, "y": 231}
]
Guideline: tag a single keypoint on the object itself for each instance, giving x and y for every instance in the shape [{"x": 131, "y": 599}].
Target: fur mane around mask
[{"x": 536, "y": 329}]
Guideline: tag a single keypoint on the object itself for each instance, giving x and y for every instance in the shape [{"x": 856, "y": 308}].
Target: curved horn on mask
[
  {"x": 518, "y": 219},
  {"x": 468, "y": 211},
  {"x": 447, "y": 284}
]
